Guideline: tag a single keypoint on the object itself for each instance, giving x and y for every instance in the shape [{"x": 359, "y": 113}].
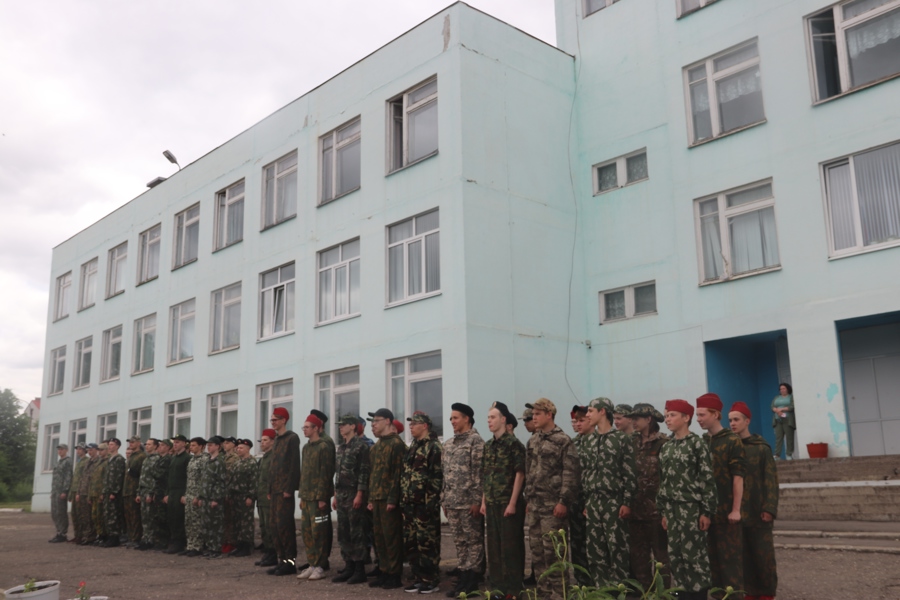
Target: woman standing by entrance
[{"x": 783, "y": 420}]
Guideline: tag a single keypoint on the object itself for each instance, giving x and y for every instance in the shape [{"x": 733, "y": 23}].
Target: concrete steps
[
  {"x": 854, "y": 536},
  {"x": 854, "y": 468}
]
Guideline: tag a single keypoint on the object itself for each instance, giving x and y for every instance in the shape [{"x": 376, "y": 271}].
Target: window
[
  {"x": 415, "y": 384},
  {"x": 276, "y": 307},
  {"x": 107, "y": 426},
  {"x": 592, "y": 6},
  {"x": 724, "y": 93},
  {"x": 115, "y": 277},
  {"x": 63, "y": 290},
  {"x": 737, "y": 232},
  {"x": 111, "y": 354},
  {"x": 148, "y": 256},
  {"x": 88, "y": 289},
  {"x": 689, "y": 6},
  {"x": 270, "y": 396},
  {"x": 226, "y": 318},
  {"x": 280, "y": 190},
  {"x": 77, "y": 432},
  {"x": 181, "y": 334},
  {"x": 853, "y": 44},
  {"x": 144, "y": 344},
  {"x": 628, "y": 302},
  {"x": 340, "y": 161},
  {"x": 413, "y": 125},
  {"x": 139, "y": 422},
  {"x": 414, "y": 258},
  {"x": 230, "y": 215},
  {"x": 57, "y": 370},
  {"x": 619, "y": 172},
  {"x": 862, "y": 193},
  {"x": 338, "y": 394},
  {"x": 178, "y": 418},
  {"x": 223, "y": 414},
  {"x": 83, "y": 362},
  {"x": 51, "y": 441},
  {"x": 338, "y": 282},
  {"x": 187, "y": 236}
]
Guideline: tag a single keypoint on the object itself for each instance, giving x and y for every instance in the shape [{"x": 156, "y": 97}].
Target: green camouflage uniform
[
  {"x": 351, "y": 476},
  {"x": 148, "y": 487},
  {"x": 552, "y": 477},
  {"x": 503, "y": 458},
  {"x": 84, "y": 524},
  {"x": 726, "y": 543},
  {"x": 687, "y": 491},
  {"x": 284, "y": 477},
  {"x": 112, "y": 486},
  {"x": 98, "y": 477},
  {"x": 461, "y": 464},
  {"x": 192, "y": 520},
  {"x": 77, "y": 507},
  {"x": 578, "y": 529},
  {"x": 760, "y": 495},
  {"x": 420, "y": 503},
  {"x": 316, "y": 485},
  {"x": 648, "y": 538},
  {"x": 386, "y": 457},
  {"x": 213, "y": 488},
  {"x": 60, "y": 484},
  {"x": 176, "y": 489},
  {"x": 263, "y": 504},
  {"x": 132, "y": 510},
  {"x": 228, "y": 537},
  {"x": 242, "y": 487}
]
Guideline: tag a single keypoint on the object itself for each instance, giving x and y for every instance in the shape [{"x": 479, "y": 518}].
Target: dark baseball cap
[{"x": 381, "y": 413}]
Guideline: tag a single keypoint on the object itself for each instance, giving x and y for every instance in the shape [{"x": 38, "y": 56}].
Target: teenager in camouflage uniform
[
  {"x": 131, "y": 510},
  {"x": 577, "y": 518},
  {"x": 229, "y": 456},
  {"x": 263, "y": 503},
  {"x": 687, "y": 501},
  {"x": 351, "y": 485},
  {"x": 113, "y": 483},
  {"x": 192, "y": 493},
  {"x": 213, "y": 491},
  {"x": 420, "y": 503},
  {"x": 462, "y": 495},
  {"x": 151, "y": 489},
  {"x": 84, "y": 524},
  {"x": 59, "y": 489},
  {"x": 98, "y": 478},
  {"x": 329, "y": 540},
  {"x": 648, "y": 538},
  {"x": 621, "y": 419},
  {"x": 551, "y": 486},
  {"x": 729, "y": 461},
  {"x": 284, "y": 480},
  {"x": 503, "y": 468},
  {"x": 143, "y": 495},
  {"x": 81, "y": 460},
  {"x": 316, "y": 491},
  {"x": 386, "y": 458},
  {"x": 242, "y": 493},
  {"x": 759, "y": 508},
  {"x": 175, "y": 495}
]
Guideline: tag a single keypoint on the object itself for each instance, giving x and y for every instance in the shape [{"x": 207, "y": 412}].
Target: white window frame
[
  {"x": 406, "y": 108},
  {"x": 149, "y": 246},
  {"x": 406, "y": 379},
  {"x": 267, "y": 401},
  {"x": 111, "y": 338},
  {"x": 334, "y": 143},
  {"x": 588, "y": 10},
  {"x": 415, "y": 237},
  {"x": 629, "y": 292},
  {"x": 348, "y": 264},
  {"x": 115, "y": 270},
  {"x": 840, "y": 28},
  {"x": 679, "y": 6},
  {"x": 177, "y": 412},
  {"x": 63, "y": 291},
  {"x": 83, "y": 351},
  {"x": 140, "y": 420},
  {"x": 327, "y": 389},
  {"x": 87, "y": 291},
  {"x": 621, "y": 163},
  {"x": 51, "y": 441},
  {"x": 269, "y": 306},
  {"x": 289, "y": 207},
  {"x": 712, "y": 77},
  {"x": 143, "y": 332},
  {"x": 184, "y": 222},
  {"x": 77, "y": 432},
  {"x": 724, "y": 213},
  {"x": 216, "y": 407},
  {"x": 182, "y": 316},
  {"x": 219, "y": 304},
  {"x": 107, "y": 426},
  {"x": 56, "y": 385},
  {"x": 228, "y": 201}
]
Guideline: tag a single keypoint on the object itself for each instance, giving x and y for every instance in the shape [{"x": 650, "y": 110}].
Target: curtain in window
[
  {"x": 700, "y": 111},
  {"x": 878, "y": 189},
  {"x": 606, "y": 177},
  {"x": 235, "y": 222},
  {"x": 614, "y": 305},
  {"x": 840, "y": 204},
  {"x": 325, "y": 298},
  {"x": 874, "y": 48},
  {"x": 636, "y": 167},
  {"x": 414, "y": 285},
  {"x": 711, "y": 241},
  {"x": 354, "y": 287},
  {"x": 340, "y": 291},
  {"x": 395, "y": 273},
  {"x": 753, "y": 242},
  {"x": 740, "y": 99},
  {"x": 433, "y": 262}
]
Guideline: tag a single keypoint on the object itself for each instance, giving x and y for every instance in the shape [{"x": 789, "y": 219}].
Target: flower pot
[
  {"x": 46, "y": 590},
  {"x": 817, "y": 450}
]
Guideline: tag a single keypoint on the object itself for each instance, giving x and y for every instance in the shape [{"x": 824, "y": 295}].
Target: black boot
[
  {"x": 460, "y": 584},
  {"x": 268, "y": 560},
  {"x": 243, "y": 549},
  {"x": 287, "y": 567},
  {"x": 359, "y": 573},
  {"x": 378, "y": 581},
  {"x": 470, "y": 584},
  {"x": 344, "y": 574},
  {"x": 376, "y": 572}
]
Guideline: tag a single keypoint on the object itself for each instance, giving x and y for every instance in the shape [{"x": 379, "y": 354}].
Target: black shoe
[
  {"x": 530, "y": 580},
  {"x": 214, "y": 555},
  {"x": 378, "y": 581},
  {"x": 429, "y": 588},
  {"x": 112, "y": 542},
  {"x": 454, "y": 572},
  {"x": 274, "y": 569},
  {"x": 260, "y": 546},
  {"x": 286, "y": 568},
  {"x": 190, "y": 553},
  {"x": 173, "y": 549},
  {"x": 57, "y": 538},
  {"x": 376, "y": 572},
  {"x": 268, "y": 560},
  {"x": 185, "y": 552},
  {"x": 392, "y": 582},
  {"x": 344, "y": 574},
  {"x": 413, "y": 588},
  {"x": 359, "y": 573},
  {"x": 243, "y": 549}
]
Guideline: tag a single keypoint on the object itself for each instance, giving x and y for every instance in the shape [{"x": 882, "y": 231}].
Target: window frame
[
  {"x": 410, "y": 378},
  {"x": 278, "y": 182},
  {"x": 137, "y": 422},
  {"x": 225, "y": 205},
  {"x": 289, "y": 296},
  {"x": 115, "y": 256},
  {"x": 214, "y": 413},
  {"x": 108, "y": 341},
  {"x": 174, "y": 416},
  {"x": 183, "y": 222},
  {"x": 629, "y": 295},
  {"x": 415, "y": 237},
  {"x": 148, "y": 245},
  {"x": 219, "y": 310},
  {"x": 336, "y": 146},
  {"x": 107, "y": 426},
  {"x": 63, "y": 291},
  {"x": 77, "y": 432},
  {"x": 586, "y": 7},
  {"x": 407, "y": 109},
  {"x": 83, "y": 352},
  {"x": 265, "y": 406},
  {"x": 683, "y": 13},
  {"x": 347, "y": 264},
  {"x": 51, "y": 441},
  {"x": 56, "y": 384},
  {"x": 179, "y": 316},
  {"x": 621, "y": 163},
  {"x": 141, "y": 332},
  {"x": 333, "y": 390},
  {"x": 87, "y": 285}
]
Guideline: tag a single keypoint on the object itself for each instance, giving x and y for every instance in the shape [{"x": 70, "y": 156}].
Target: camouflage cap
[
  {"x": 543, "y": 404},
  {"x": 600, "y": 403},
  {"x": 622, "y": 409},
  {"x": 527, "y": 415},
  {"x": 420, "y": 417},
  {"x": 642, "y": 409},
  {"x": 348, "y": 419}
]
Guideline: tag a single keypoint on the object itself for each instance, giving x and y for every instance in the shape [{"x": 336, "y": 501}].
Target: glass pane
[
  {"x": 287, "y": 272},
  {"x": 191, "y": 241},
  {"x": 183, "y": 427},
  {"x": 425, "y": 363},
  {"x": 229, "y": 399},
  {"x": 325, "y": 297},
  {"x": 874, "y": 48},
  {"x": 398, "y": 368},
  {"x": 395, "y": 273},
  {"x": 270, "y": 278},
  {"x": 858, "y": 7},
  {"x": 878, "y": 190},
  {"x": 432, "y": 262},
  {"x": 740, "y": 99},
  {"x": 825, "y": 54},
  {"x": 340, "y": 291},
  {"x": 607, "y": 178},
  {"x": 396, "y": 134},
  {"x": 750, "y": 195},
  {"x": 187, "y": 339},
  {"x": 346, "y": 403},
  {"x": 711, "y": 240},
  {"x": 229, "y": 423},
  {"x": 287, "y": 162},
  {"x": 149, "y": 343},
  {"x": 233, "y": 292},
  {"x": 354, "y": 287},
  {"x": 327, "y": 170},
  {"x": 400, "y": 231},
  {"x": 427, "y": 396},
  {"x": 753, "y": 242},
  {"x": 735, "y": 57},
  {"x": 428, "y": 222},
  {"x": 330, "y": 257},
  {"x": 645, "y": 299},
  {"x": 235, "y": 223},
  {"x": 423, "y": 132},
  {"x": 347, "y": 378},
  {"x": 592, "y": 6},
  {"x": 349, "y": 131},
  {"x": 636, "y": 167},
  {"x": 145, "y": 414},
  {"x": 614, "y": 305},
  {"x": 115, "y": 359},
  {"x": 348, "y": 167},
  {"x": 289, "y": 307},
  {"x": 398, "y": 398},
  {"x": 414, "y": 285},
  {"x": 283, "y": 389},
  {"x": 287, "y": 196},
  {"x": 700, "y": 112},
  {"x": 423, "y": 92},
  {"x": 213, "y": 420},
  {"x": 697, "y": 73},
  {"x": 236, "y": 190},
  {"x": 232, "y": 325}
]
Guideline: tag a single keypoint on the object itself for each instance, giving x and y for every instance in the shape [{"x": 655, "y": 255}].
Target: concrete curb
[
  {"x": 857, "y": 535},
  {"x": 861, "y": 549}
]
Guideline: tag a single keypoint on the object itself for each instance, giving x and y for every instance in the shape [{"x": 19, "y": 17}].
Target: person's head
[
  {"x": 114, "y": 444},
  {"x": 151, "y": 445},
  {"x": 267, "y": 440},
  {"x": 528, "y": 419},
  {"x": 419, "y": 425},
  {"x": 197, "y": 444},
  {"x": 599, "y": 412},
  {"x": 322, "y": 417},
  {"x": 164, "y": 447},
  {"x": 92, "y": 450},
  {"x": 179, "y": 443},
  {"x": 361, "y": 426},
  {"x": 709, "y": 411},
  {"x": 103, "y": 449},
  {"x": 134, "y": 443},
  {"x": 679, "y": 414},
  {"x": 228, "y": 444},
  {"x": 80, "y": 451},
  {"x": 498, "y": 417},
  {"x": 739, "y": 419},
  {"x": 280, "y": 417},
  {"x": 785, "y": 389},
  {"x": 543, "y": 413},
  {"x": 214, "y": 445},
  {"x": 462, "y": 417},
  {"x": 621, "y": 418},
  {"x": 382, "y": 422},
  {"x": 242, "y": 447},
  {"x": 312, "y": 428},
  {"x": 62, "y": 450},
  {"x": 347, "y": 425},
  {"x": 578, "y": 414},
  {"x": 645, "y": 418}
]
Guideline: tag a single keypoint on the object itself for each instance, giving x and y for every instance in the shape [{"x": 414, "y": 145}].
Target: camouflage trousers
[
  {"x": 175, "y": 518},
  {"x": 212, "y": 525},
  {"x": 284, "y": 527},
  {"x": 132, "y": 511},
  {"x": 113, "y": 515},
  {"x": 726, "y": 560},
  {"x": 577, "y": 541},
  {"x": 81, "y": 516},
  {"x": 422, "y": 540},
  {"x": 760, "y": 571},
  {"x": 649, "y": 544},
  {"x": 229, "y": 534},
  {"x": 59, "y": 512},
  {"x": 97, "y": 521},
  {"x": 153, "y": 522},
  {"x": 505, "y": 548},
  {"x": 388, "y": 533},
  {"x": 539, "y": 522},
  {"x": 351, "y": 529},
  {"x": 315, "y": 525},
  {"x": 193, "y": 524},
  {"x": 606, "y": 548},
  {"x": 264, "y": 510},
  {"x": 687, "y": 546},
  {"x": 468, "y": 536},
  {"x": 241, "y": 521}
]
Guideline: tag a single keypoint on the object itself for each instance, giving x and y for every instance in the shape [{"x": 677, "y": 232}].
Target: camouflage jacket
[
  {"x": 461, "y": 464},
  {"x": 76, "y": 477},
  {"x": 62, "y": 477},
  {"x": 317, "y": 471},
  {"x": 423, "y": 475},
  {"x": 351, "y": 471},
  {"x": 176, "y": 478},
  {"x": 369, "y": 441},
  {"x": 115, "y": 475},
  {"x": 262, "y": 479},
  {"x": 686, "y": 475},
  {"x": 242, "y": 479},
  {"x": 386, "y": 466},
  {"x": 552, "y": 470},
  {"x": 194, "y": 476},
  {"x": 728, "y": 461},
  {"x": 284, "y": 472},
  {"x": 133, "y": 473},
  {"x": 760, "y": 482},
  {"x": 84, "y": 484},
  {"x": 98, "y": 477},
  {"x": 503, "y": 458},
  {"x": 147, "y": 481},
  {"x": 607, "y": 466},
  {"x": 213, "y": 486},
  {"x": 230, "y": 459},
  {"x": 161, "y": 475},
  {"x": 646, "y": 462}
]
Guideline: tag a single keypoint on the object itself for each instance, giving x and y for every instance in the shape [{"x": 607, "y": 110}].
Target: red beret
[
  {"x": 314, "y": 420},
  {"x": 270, "y": 433},
  {"x": 360, "y": 429},
  {"x": 710, "y": 400},
  {"x": 741, "y": 408},
  {"x": 682, "y": 406},
  {"x": 398, "y": 426},
  {"x": 282, "y": 413}
]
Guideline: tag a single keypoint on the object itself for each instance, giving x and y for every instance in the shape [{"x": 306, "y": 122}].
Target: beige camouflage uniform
[{"x": 461, "y": 464}]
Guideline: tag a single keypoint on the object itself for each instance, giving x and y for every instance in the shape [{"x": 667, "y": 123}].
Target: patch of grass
[{"x": 25, "y": 506}]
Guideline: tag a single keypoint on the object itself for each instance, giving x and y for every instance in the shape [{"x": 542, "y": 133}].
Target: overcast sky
[{"x": 93, "y": 91}]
